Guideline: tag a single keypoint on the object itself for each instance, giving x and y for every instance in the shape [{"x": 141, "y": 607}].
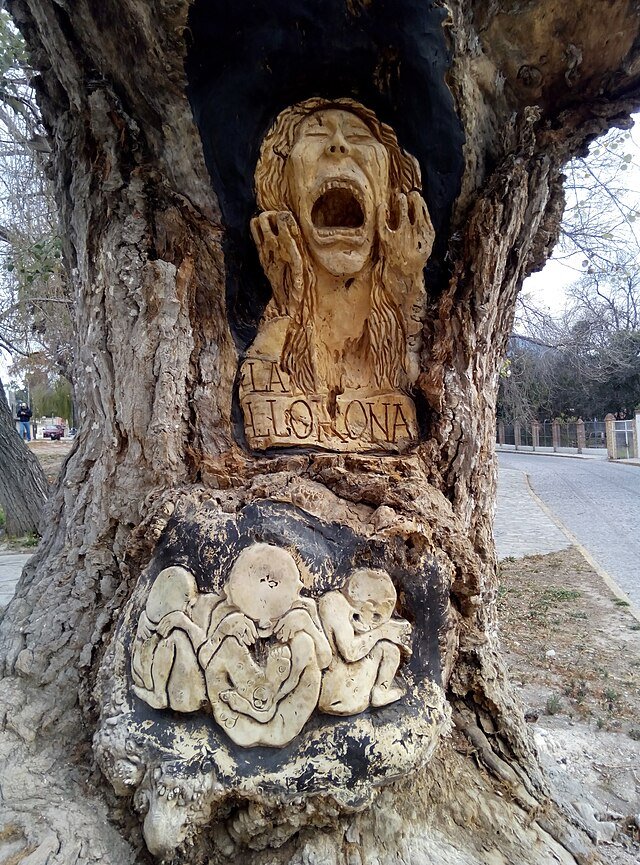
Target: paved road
[{"x": 598, "y": 501}]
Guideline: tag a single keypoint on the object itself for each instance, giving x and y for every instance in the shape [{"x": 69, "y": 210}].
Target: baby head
[
  {"x": 173, "y": 589},
  {"x": 373, "y": 597},
  {"x": 263, "y": 584}
]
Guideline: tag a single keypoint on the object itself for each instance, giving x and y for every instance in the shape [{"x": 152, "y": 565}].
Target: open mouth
[{"x": 338, "y": 209}]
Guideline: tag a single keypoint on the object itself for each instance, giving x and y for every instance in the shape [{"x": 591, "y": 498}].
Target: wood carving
[
  {"x": 343, "y": 237},
  {"x": 255, "y": 652}
]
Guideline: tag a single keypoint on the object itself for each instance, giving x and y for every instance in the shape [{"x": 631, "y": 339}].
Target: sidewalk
[
  {"x": 572, "y": 453},
  {"x": 11, "y": 565},
  {"x": 587, "y": 454},
  {"x": 521, "y": 527},
  {"x": 524, "y": 527}
]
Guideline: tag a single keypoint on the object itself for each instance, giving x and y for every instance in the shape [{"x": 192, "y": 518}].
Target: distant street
[{"x": 598, "y": 501}]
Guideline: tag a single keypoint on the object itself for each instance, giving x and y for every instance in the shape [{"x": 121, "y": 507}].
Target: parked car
[{"x": 53, "y": 432}]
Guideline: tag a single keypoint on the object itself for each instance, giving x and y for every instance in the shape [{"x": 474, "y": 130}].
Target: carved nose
[{"x": 337, "y": 146}]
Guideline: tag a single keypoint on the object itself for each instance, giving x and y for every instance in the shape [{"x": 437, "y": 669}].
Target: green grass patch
[
  {"x": 554, "y": 705},
  {"x": 556, "y": 596}
]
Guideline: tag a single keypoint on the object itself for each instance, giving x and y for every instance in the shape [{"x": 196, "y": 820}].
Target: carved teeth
[{"x": 342, "y": 183}]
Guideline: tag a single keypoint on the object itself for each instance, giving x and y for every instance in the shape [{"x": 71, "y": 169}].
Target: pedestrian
[{"x": 24, "y": 417}]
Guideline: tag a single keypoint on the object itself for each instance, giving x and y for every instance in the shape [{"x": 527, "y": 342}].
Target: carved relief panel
[
  {"x": 261, "y": 656},
  {"x": 343, "y": 236},
  {"x": 267, "y": 654}
]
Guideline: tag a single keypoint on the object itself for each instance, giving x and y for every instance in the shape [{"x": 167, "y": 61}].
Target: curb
[
  {"x": 539, "y": 453},
  {"x": 592, "y": 459},
  {"x": 586, "y": 555}
]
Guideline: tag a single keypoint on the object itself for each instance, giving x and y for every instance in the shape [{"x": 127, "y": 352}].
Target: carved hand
[
  {"x": 398, "y": 631},
  {"x": 277, "y": 237},
  {"x": 407, "y": 247},
  {"x": 240, "y": 626},
  {"x": 145, "y": 627},
  {"x": 169, "y": 622},
  {"x": 291, "y": 623}
]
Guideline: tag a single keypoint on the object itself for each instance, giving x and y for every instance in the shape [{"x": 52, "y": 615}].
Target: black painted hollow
[{"x": 250, "y": 59}]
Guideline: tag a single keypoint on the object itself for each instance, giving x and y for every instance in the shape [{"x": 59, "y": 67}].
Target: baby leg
[
  {"x": 157, "y": 658},
  {"x": 384, "y": 691},
  {"x": 261, "y": 702},
  {"x": 185, "y": 685},
  {"x": 303, "y": 654}
]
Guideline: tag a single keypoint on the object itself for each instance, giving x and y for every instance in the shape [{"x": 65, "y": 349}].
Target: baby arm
[
  {"x": 232, "y": 624},
  {"x": 336, "y": 613},
  {"x": 304, "y": 618},
  {"x": 180, "y": 620}
]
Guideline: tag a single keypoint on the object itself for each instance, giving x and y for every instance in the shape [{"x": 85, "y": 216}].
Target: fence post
[
  {"x": 555, "y": 434},
  {"x": 517, "y": 434},
  {"x": 535, "y": 434},
  {"x": 610, "y": 433},
  {"x": 500, "y": 432},
  {"x": 582, "y": 439},
  {"x": 636, "y": 437}
]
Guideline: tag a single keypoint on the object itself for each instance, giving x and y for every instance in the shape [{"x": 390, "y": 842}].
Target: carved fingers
[
  {"x": 145, "y": 628},
  {"x": 291, "y": 623},
  {"x": 398, "y": 631},
  {"x": 239, "y": 626},
  {"x": 170, "y": 622},
  {"x": 277, "y": 238},
  {"x": 407, "y": 246}
]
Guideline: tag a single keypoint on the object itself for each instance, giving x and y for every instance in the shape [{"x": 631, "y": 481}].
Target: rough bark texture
[
  {"x": 23, "y": 486},
  {"x": 533, "y": 83}
]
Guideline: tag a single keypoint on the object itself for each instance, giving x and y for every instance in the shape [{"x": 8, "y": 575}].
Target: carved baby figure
[
  {"x": 171, "y": 628},
  {"x": 266, "y": 641},
  {"x": 366, "y": 644}
]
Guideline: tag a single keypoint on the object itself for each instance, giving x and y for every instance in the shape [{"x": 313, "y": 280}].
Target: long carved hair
[{"x": 386, "y": 331}]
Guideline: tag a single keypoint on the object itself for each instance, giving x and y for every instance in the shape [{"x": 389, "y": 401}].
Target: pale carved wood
[
  {"x": 255, "y": 655},
  {"x": 343, "y": 237}
]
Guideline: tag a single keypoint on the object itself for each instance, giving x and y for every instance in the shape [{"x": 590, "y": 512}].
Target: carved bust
[{"x": 343, "y": 236}]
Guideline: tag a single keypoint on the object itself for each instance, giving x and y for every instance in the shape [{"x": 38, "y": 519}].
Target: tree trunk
[
  {"x": 23, "y": 486},
  {"x": 161, "y": 265}
]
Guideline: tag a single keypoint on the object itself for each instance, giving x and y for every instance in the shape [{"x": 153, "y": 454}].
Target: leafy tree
[{"x": 35, "y": 302}]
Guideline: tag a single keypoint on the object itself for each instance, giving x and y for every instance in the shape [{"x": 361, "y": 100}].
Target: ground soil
[
  {"x": 573, "y": 651},
  {"x": 51, "y": 455}
]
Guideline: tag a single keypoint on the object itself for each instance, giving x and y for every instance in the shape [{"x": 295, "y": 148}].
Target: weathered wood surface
[{"x": 532, "y": 83}]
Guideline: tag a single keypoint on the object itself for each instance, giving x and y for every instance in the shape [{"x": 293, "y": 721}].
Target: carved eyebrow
[{"x": 359, "y": 134}]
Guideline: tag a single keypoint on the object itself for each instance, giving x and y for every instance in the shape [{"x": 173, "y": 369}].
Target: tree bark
[
  {"x": 23, "y": 486},
  {"x": 145, "y": 243}
]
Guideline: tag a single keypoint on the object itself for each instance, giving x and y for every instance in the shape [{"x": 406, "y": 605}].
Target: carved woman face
[{"x": 337, "y": 175}]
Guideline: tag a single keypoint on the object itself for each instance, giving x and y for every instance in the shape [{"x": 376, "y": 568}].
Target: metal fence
[
  {"x": 618, "y": 437},
  {"x": 595, "y": 433},
  {"x": 625, "y": 433}
]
